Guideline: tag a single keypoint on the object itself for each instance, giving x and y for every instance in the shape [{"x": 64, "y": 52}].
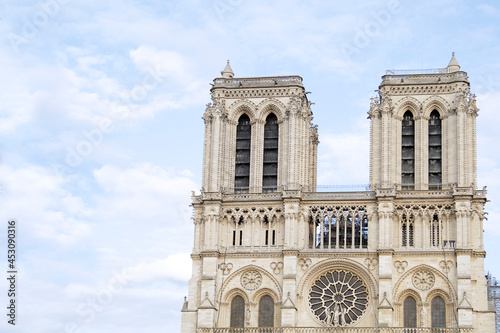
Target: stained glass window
[
  {"x": 338, "y": 298},
  {"x": 410, "y": 312},
  {"x": 237, "y": 312},
  {"x": 438, "y": 312},
  {"x": 266, "y": 311}
]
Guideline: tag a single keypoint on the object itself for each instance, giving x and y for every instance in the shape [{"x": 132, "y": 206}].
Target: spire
[
  {"x": 453, "y": 66},
  {"x": 227, "y": 72}
]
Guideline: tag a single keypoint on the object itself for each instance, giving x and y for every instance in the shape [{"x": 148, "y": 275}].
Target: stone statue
[
  {"x": 343, "y": 312},
  {"x": 422, "y": 316},
  {"x": 336, "y": 314},
  {"x": 328, "y": 315}
]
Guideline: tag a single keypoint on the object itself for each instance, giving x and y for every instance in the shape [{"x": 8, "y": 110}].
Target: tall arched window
[
  {"x": 237, "y": 312},
  {"x": 438, "y": 312},
  {"x": 435, "y": 173},
  {"x": 407, "y": 230},
  {"x": 266, "y": 311},
  {"x": 410, "y": 312},
  {"x": 243, "y": 144},
  {"x": 408, "y": 152},
  {"x": 435, "y": 234},
  {"x": 270, "y": 166}
]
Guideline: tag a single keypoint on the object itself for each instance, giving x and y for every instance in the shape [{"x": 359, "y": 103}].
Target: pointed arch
[
  {"x": 240, "y": 107},
  {"x": 233, "y": 280},
  {"x": 407, "y": 104},
  {"x": 408, "y": 316},
  {"x": 448, "y": 295},
  {"x": 435, "y": 103},
  {"x": 268, "y": 106}
]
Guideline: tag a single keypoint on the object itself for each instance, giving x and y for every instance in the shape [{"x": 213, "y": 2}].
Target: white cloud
[
  {"x": 144, "y": 192},
  {"x": 35, "y": 196}
]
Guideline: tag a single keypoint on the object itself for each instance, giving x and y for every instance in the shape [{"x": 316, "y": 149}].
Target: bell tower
[
  {"x": 423, "y": 130},
  {"x": 258, "y": 135}
]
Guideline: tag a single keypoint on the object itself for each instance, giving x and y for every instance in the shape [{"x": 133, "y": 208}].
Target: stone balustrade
[
  {"x": 269, "y": 81},
  {"x": 335, "y": 330}
]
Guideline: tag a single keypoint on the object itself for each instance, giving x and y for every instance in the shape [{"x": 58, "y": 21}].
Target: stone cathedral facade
[{"x": 271, "y": 254}]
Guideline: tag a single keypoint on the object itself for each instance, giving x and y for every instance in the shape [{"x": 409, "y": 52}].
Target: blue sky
[{"x": 101, "y": 133}]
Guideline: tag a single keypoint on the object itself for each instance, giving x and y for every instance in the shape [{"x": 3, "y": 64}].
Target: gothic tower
[{"x": 269, "y": 251}]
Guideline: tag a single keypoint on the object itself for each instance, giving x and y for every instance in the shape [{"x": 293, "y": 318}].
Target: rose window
[{"x": 338, "y": 298}]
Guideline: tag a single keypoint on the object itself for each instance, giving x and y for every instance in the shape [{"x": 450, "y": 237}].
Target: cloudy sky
[{"x": 101, "y": 131}]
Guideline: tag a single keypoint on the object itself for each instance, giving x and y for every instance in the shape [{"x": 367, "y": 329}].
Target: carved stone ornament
[
  {"x": 304, "y": 263},
  {"x": 400, "y": 265},
  {"x": 251, "y": 280},
  {"x": 277, "y": 267},
  {"x": 446, "y": 265},
  {"x": 226, "y": 268},
  {"x": 371, "y": 263},
  {"x": 423, "y": 280}
]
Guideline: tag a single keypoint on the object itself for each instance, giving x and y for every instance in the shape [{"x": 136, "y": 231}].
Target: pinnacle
[
  {"x": 227, "y": 72},
  {"x": 453, "y": 65}
]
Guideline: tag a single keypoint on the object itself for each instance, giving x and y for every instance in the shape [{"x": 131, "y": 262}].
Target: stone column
[
  {"x": 385, "y": 309},
  {"x": 289, "y": 306},
  {"x": 207, "y": 312}
]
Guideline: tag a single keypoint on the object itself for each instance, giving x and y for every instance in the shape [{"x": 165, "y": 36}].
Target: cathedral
[{"x": 273, "y": 254}]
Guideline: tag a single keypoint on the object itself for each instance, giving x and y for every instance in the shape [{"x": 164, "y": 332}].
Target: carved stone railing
[
  {"x": 417, "y": 71},
  {"x": 252, "y": 248},
  {"x": 424, "y": 193},
  {"x": 402, "y": 79},
  {"x": 269, "y": 81},
  {"x": 338, "y": 195},
  {"x": 335, "y": 330},
  {"x": 252, "y": 196}
]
